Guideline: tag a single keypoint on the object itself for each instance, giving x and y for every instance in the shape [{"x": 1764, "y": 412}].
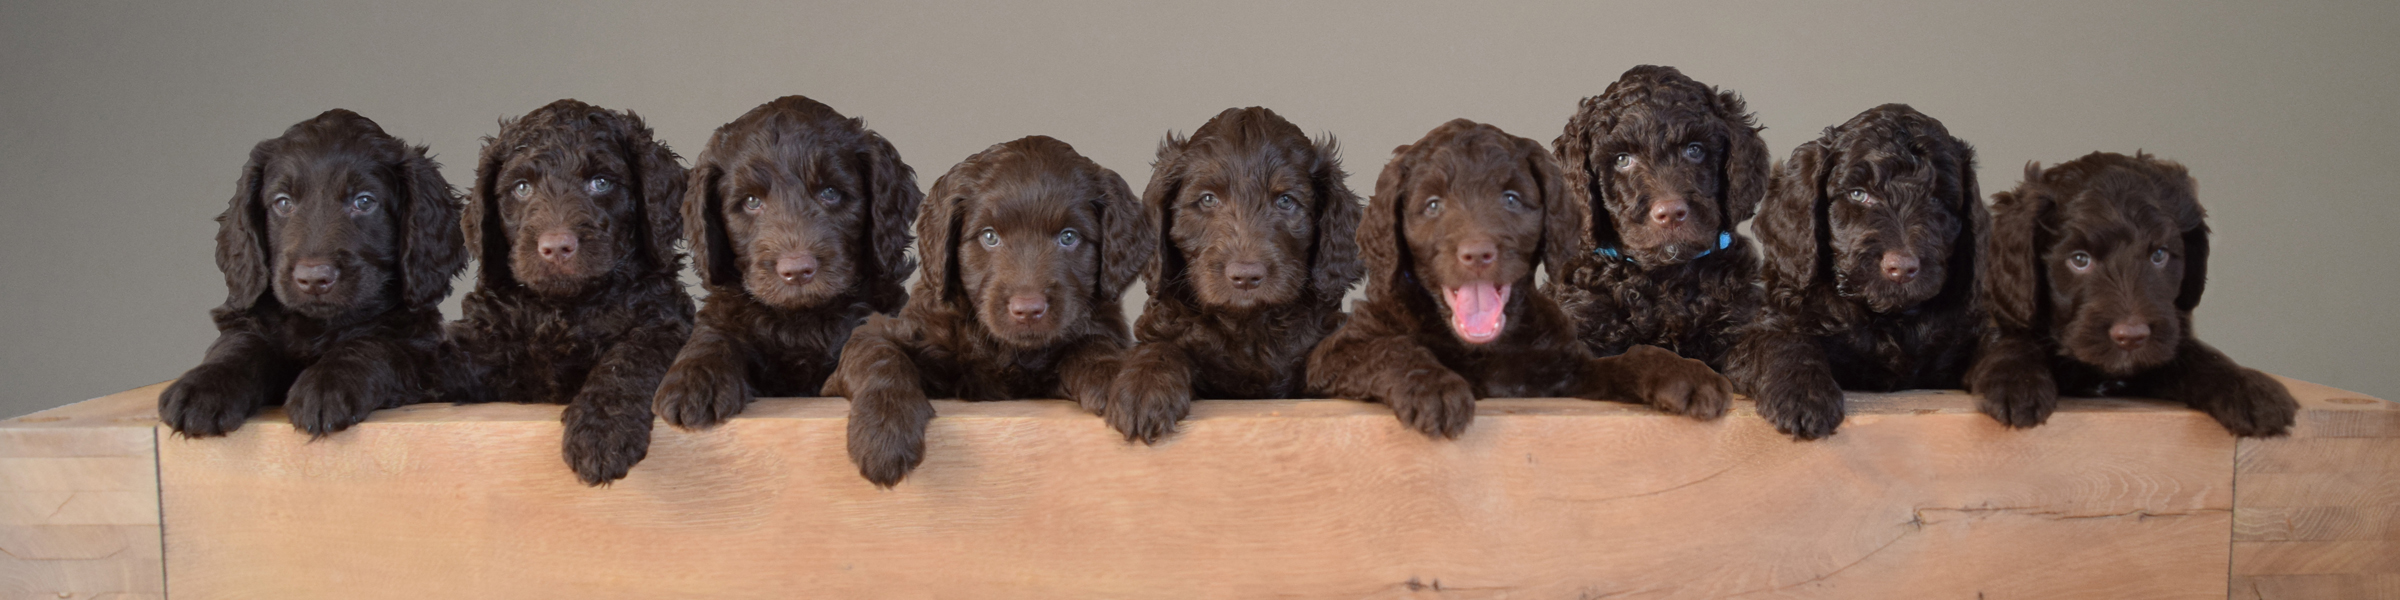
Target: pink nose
[
  {"x": 797, "y": 269},
  {"x": 1477, "y": 255},
  {"x": 1028, "y": 309},
  {"x": 1668, "y": 212},
  {"x": 1245, "y": 274},
  {"x": 1900, "y": 267},
  {"x": 2129, "y": 333},
  {"x": 558, "y": 246},
  {"x": 314, "y": 276}
]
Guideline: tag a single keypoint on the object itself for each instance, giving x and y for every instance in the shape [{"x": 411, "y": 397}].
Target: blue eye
[
  {"x": 284, "y": 205},
  {"x": 598, "y": 185},
  {"x": 522, "y": 190},
  {"x": 2079, "y": 261},
  {"x": 1512, "y": 200},
  {"x": 362, "y": 203},
  {"x": 1694, "y": 153},
  {"x": 752, "y": 205},
  {"x": 1624, "y": 161},
  {"x": 1286, "y": 202},
  {"x": 990, "y": 238},
  {"x": 829, "y": 196},
  {"x": 1433, "y": 206},
  {"x": 1208, "y": 200},
  {"x": 2158, "y": 257},
  {"x": 1068, "y": 239}
]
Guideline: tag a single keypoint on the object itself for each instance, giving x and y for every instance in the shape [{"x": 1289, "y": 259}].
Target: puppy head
[
  {"x": 1667, "y": 164},
  {"x": 1032, "y": 238},
  {"x": 336, "y": 216},
  {"x": 2108, "y": 252},
  {"x": 1254, "y": 214},
  {"x": 1886, "y": 204},
  {"x": 795, "y": 205},
  {"x": 571, "y": 192},
  {"x": 1463, "y": 215}
]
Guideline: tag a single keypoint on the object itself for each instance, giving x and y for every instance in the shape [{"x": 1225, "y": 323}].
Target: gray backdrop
[{"x": 123, "y": 125}]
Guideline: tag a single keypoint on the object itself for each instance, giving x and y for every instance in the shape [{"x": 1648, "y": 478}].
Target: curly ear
[
  {"x": 895, "y": 204},
  {"x": 662, "y": 181},
  {"x": 1585, "y": 184},
  {"x": 2178, "y": 195},
  {"x": 485, "y": 235},
  {"x": 2012, "y": 273},
  {"x": 1380, "y": 239},
  {"x": 1334, "y": 266},
  {"x": 1560, "y": 240},
  {"x": 432, "y": 250},
  {"x": 242, "y": 250},
  {"x": 1974, "y": 222},
  {"x": 1127, "y": 238},
  {"x": 1165, "y": 272},
  {"x": 1746, "y": 159},
  {"x": 1790, "y": 223},
  {"x": 937, "y": 236},
  {"x": 704, "y": 225}
]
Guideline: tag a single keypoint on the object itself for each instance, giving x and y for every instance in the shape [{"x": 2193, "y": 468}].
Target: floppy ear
[
  {"x": 2181, "y": 200},
  {"x": 1334, "y": 266},
  {"x": 894, "y": 207},
  {"x": 1165, "y": 272},
  {"x": 2012, "y": 274},
  {"x": 1746, "y": 159},
  {"x": 1974, "y": 221},
  {"x": 1788, "y": 226},
  {"x": 431, "y": 247},
  {"x": 704, "y": 225},
  {"x": 1127, "y": 238},
  {"x": 1586, "y": 185},
  {"x": 662, "y": 181},
  {"x": 486, "y": 236},
  {"x": 937, "y": 236},
  {"x": 1379, "y": 235},
  {"x": 1560, "y": 241},
  {"x": 242, "y": 251}
]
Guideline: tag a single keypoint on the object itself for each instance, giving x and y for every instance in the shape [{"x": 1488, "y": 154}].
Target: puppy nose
[
  {"x": 1245, "y": 274},
  {"x": 1027, "y": 309},
  {"x": 797, "y": 269},
  {"x": 1900, "y": 267},
  {"x": 1477, "y": 254},
  {"x": 558, "y": 246},
  {"x": 2129, "y": 333},
  {"x": 314, "y": 276},
  {"x": 1668, "y": 212}
]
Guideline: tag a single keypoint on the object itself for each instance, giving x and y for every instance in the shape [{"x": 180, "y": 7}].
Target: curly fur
[
  {"x": 1870, "y": 238},
  {"x": 366, "y": 341},
  {"x": 2094, "y": 268},
  {"x": 962, "y": 333},
  {"x": 1666, "y": 285},
  {"x": 1502, "y": 194},
  {"x": 832, "y": 195},
  {"x": 1203, "y": 336},
  {"x": 595, "y": 332}
]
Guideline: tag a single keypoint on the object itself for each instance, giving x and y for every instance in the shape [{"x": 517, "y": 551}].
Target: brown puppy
[
  {"x": 798, "y": 220},
  {"x": 575, "y": 216},
  {"x": 1664, "y": 167},
  {"x": 1871, "y": 236},
  {"x": 1027, "y": 248},
  {"x": 1458, "y": 221},
  {"x": 2095, "y": 265},
  {"x": 337, "y": 249},
  {"x": 1260, "y": 244}
]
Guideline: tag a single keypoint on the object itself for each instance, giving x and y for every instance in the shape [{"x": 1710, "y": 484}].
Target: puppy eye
[
  {"x": 2079, "y": 261},
  {"x": 1067, "y": 239},
  {"x": 1624, "y": 161},
  {"x": 284, "y": 205},
  {"x": 1286, "y": 202},
  {"x": 362, "y": 203},
  {"x": 829, "y": 196},
  {"x": 1512, "y": 200},
  {"x": 752, "y": 205},
  {"x": 1433, "y": 206},
  {"x": 1694, "y": 153},
  {"x": 991, "y": 238},
  {"x": 2158, "y": 257},
  {"x": 599, "y": 185},
  {"x": 523, "y": 190},
  {"x": 1208, "y": 200},
  {"x": 1861, "y": 197}
]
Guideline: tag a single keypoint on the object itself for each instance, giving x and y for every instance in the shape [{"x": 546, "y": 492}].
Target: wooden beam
[
  {"x": 2318, "y": 512},
  {"x": 79, "y": 511}
]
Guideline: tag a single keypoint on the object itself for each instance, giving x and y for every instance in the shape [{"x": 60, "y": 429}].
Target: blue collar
[{"x": 1724, "y": 240}]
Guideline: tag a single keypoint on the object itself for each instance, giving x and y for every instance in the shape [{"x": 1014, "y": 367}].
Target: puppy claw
[
  {"x": 887, "y": 447},
  {"x": 1441, "y": 406},
  {"x": 694, "y": 396},
  {"x": 2018, "y": 400},
  {"x": 206, "y": 402},
  {"x": 1804, "y": 410},
  {"x": 602, "y": 448},
  {"x": 324, "y": 401},
  {"x": 1678, "y": 385},
  {"x": 2259, "y": 407},
  {"x": 1146, "y": 407}
]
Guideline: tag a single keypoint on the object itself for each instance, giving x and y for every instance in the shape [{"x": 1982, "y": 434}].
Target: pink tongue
[{"x": 1475, "y": 311}]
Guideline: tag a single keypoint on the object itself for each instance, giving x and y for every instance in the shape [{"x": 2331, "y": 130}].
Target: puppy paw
[
  {"x": 2258, "y": 407},
  {"x": 1676, "y": 384},
  {"x": 700, "y": 394},
  {"x": 601, "y": 444},
  {"x": 2018, "y": 398},
  {"x": 888, "y": 441},
  {"x": 1437, "y": 402},
  {"x": 209, "y": 401},
  {"x": 327, "y": 399},
  {"x": 1146, "y": 406},
  {"x": 1804, "y": 407}
]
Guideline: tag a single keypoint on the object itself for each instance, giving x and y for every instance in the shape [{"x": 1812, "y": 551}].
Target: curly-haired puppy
[
  {"x": 798, "y": 220},
  {"x": 337, "y": 248},
  {"x": 2094, "y": 267},
  {"x": 1458, "y": 222},
  {"x": 1665, "y": 167},
  {"x": 1870, "y": 238},
  {"x": 1258, "y": 246},
  {"x": 1027, "y": 247},
  {"x": 574, "y": 218}
]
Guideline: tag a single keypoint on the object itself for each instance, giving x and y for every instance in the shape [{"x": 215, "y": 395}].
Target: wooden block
[
  {"x": 2317, "y": 513},
  {"x": 79, "y": 511},
  {"x": 2315, "y": 587}
]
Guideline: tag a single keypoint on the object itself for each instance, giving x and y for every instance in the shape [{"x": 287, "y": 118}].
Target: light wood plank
[{"x": 79, "y": 511}]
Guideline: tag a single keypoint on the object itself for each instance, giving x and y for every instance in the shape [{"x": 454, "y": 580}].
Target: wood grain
[
  {"x": 2317, "y": 514},
  {"x": 79, "y": 513}
]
